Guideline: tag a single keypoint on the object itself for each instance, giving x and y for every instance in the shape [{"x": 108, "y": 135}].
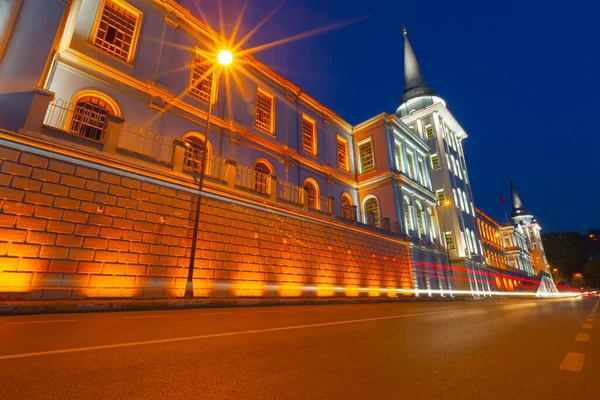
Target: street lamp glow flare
[{"x": 225, "y": 57}]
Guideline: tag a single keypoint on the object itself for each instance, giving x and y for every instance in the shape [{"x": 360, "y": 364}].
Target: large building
[{"x": 104, "y": 129}]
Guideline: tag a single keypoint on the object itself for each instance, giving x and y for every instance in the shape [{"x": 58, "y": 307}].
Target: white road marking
[
  {"x": 145, "y": 316},
  {"x": 589, "y": 320},
  {"x": 573, "y": 362},
  {"x": 582, "y": 337},
  {"x": 234, "y": 333},
  {"x": 39, "y": 322},
  {"x": 587, "y": 326}
]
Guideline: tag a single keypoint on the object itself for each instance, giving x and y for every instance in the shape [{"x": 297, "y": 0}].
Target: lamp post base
[{"x": 189, "y": 290}]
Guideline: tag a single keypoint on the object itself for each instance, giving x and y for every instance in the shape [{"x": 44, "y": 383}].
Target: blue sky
[{"x": 520, "y": 77}]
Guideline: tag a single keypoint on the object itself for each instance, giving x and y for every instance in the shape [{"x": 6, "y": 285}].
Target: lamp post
[{"x": 224, "y": 58}]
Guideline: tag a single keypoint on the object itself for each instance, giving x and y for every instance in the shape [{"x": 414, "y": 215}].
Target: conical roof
[
  {"x": 414, "y": 84},
  {"x": 517, "y": 205}
]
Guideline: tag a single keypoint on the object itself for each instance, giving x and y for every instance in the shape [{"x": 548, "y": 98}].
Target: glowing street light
[{"x": 225, "y": 57}]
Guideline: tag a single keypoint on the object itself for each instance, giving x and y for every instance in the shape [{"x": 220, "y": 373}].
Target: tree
[
  {"x": 592, "y": 272},
  {"x": 565, "y": 251}
]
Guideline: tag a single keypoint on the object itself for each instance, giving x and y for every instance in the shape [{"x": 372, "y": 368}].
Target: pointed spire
[
  {"x": 517, "y": 204},
  {"x": 414, "y": 84}
]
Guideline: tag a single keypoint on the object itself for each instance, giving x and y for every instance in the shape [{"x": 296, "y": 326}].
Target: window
[
  {"x": 342, "y": 153},
  {"x": 308, "y": 135},
  {"x": 473, "y": 242},
  {"x": 312, "y": 190},
  {"x": 432, "y": 226},
  {"x": 263, "y": 118},
  {"x": 90, "y": 118},
  {"x": 347, "y": 209},
  {"x": 429, "y": 132},
  {"x": 262, "y": 171},
  {"x": 464, "y": 194},
  {"x": 449, "y": 241},
  {"x": 435, "y": 161},
  {"x": 365, "y": 152},
  {"x": 456, "y": 202},
  {"x": 398, "y": 151},
  {"x": 192, "y": 158},
  {"x": 117, "y": 30},
  {"x": 371, "y": 207},
  {"x": 411, "y": 166},
  {"x": 422, "y": 175},
  {"x": 420, "y": 222},
  {"x": 441, "y": 196},
  {"x": 201, "y": 81},
  {"x": 407, "y": 216}
]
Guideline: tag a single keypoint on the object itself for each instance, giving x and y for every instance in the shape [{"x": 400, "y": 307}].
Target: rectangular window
[
  {"x": 411, "y": 166},
  {"x": 309, "y": 135},
  {"x": 342, "y": 153},
  {"x": 429, "y": 132},
  {"x": 201, "y": 81},
  {"x": 441, "y": 196},
  {"x": 435, "y": 161},
  {"x": 365, "y": 152},
  {"x": 422, "y": 175},
  {"x": 398, "y": 150},
  {"x": 449, "y": 241},
  {"x": 118, "y": 29},
  {"x": 263, "y": 118}
]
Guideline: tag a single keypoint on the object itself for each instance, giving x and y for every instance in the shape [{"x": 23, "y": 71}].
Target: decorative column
[
  {"x": 111, "y": 136},
  {"x": 38, "y": 108},
  {"x": 230, "y": 170}
]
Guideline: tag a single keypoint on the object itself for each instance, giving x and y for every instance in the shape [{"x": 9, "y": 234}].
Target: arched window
[
  {"x": 407, "y": 216},
  {"x": 312, "y": 190},
  {"x": 347, "y": 209},
  {"x": 194, "y": 147},
  {"x": 90, "y": 118},
  {"x": 262, "y": 171},
  {"x": 371, "y": 207},
  {"x": 420, "y": 223}
]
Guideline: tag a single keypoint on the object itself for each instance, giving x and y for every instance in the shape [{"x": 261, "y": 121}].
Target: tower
[
  {"x": 527, "y": 224},
  {"x": 426, "y": 114}
]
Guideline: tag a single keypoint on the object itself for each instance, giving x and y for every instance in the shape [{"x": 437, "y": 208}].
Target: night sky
[{"x": 521, "y": 77}]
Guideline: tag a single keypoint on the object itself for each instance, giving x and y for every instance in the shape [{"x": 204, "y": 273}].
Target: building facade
[{"x": 104, "y": 130}]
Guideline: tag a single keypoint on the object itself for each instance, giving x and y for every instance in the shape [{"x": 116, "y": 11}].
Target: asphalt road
[{"x": 506, "y": 349}]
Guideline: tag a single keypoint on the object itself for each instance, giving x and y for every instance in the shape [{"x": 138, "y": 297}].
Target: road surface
[{"x": 489, "y": 349}]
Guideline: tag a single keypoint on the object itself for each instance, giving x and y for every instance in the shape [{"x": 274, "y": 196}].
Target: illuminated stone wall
[{"x": 71, "y": 231}]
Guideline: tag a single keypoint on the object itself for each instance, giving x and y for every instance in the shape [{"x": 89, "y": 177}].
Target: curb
[{"x": 90, "y": 306}]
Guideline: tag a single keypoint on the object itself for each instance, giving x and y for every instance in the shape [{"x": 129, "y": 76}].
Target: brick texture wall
[{"x": 69, "y": 231}]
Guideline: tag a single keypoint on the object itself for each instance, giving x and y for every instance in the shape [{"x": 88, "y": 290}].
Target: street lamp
[{"x": 224, "y": 58}]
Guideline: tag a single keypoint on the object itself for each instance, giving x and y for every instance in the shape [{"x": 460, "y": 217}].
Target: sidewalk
[{"x": 106, "y": 305}]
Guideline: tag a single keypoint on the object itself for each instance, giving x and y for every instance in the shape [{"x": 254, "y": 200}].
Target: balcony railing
[
  {"x": 85, "y": 122},
  {"x": 145, "y": 142},
  {"x": 249, "y": 178},
  {"x": 289, "y": 192}
]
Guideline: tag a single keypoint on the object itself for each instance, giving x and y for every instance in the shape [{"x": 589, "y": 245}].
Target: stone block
[
  {"x": 55, "y": 189},
  {"x": 81, "y": 254},
  {"x": 63, "y": 167},
  {"x": 67, "y": 266},
  {"x": 81, "y": 194},
  {"x": 66, "y": 203},
  {"x": 39, "y": 237},
  {"x": 12, "y": 168},
  {"x": 89, "y": 267},
  {"x": 109, "y": 256},
  {"x": 34, "y": 264},
  {"x": 72, "y": 181},
  {"x": 45, "y": 175},
  {"x": 87, "y": 230},
  {"x": 19, "y": 182},
  {"x": 86, "y": 173},
  {"x": 23, "y": 250}
]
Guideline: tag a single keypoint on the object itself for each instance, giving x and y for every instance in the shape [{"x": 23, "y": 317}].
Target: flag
[{"x": 502, "y": 199}]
